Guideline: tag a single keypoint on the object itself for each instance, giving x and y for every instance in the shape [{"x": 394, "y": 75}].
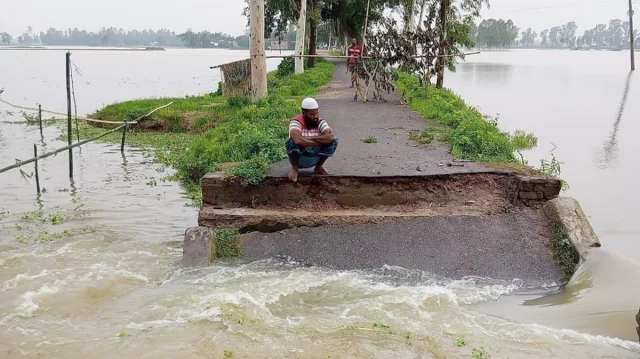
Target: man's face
[{"x": 312, "y": 116}]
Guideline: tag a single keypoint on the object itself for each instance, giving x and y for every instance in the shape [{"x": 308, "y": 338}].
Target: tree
[
  {"x": 497, "y": 33},
  {"x": 555, "y": 35},
  {"x": 454, "y": 28},
  {"x": 5, "y": 38},
  {"x": 528, "y": 38},
  {"x": 568, "y": 37},
  {"x": 544, "y": 35}
]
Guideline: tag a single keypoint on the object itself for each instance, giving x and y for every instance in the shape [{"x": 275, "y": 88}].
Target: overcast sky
[{"x": 225, "y": 15}]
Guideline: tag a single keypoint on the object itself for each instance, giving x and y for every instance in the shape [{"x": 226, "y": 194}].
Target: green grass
[
  {"x": 198, "y": 133},
  {"x": 370, "y": 139},
  {"x": 565, "y": 253},
  {"x": 227, "y": 243},
  {"x": 472, "y": 136},
  {"x": 480, "y": 353}
]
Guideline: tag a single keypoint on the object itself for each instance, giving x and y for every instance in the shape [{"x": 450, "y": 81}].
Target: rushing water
[{"x": 107, "y": 282}]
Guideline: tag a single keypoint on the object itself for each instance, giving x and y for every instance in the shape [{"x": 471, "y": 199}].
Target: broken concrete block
[
  {"x": 198, "y": 249},
  {"x": 566, "y": 212}
]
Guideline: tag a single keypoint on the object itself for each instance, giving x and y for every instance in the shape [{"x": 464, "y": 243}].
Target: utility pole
[
  {"x": 631, "y": 37},
  {"x": 256, "y": 45},
  {"x": 302, "y": 24}
]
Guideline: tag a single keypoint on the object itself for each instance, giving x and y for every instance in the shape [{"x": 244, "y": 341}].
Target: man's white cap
[{"x": 309, "y": 104}]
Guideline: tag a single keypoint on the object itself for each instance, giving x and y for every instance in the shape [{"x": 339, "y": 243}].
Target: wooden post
[
  {"x": 258, "y": 61},
  {"x": 124, "y": 133},
  {"x": 69, "y": 127},
  {"x": 35, "y": 154},
  {"x": 300, "y": 36},
  {"x": 40, "y": 120},
  {"x": 631, "y": 37}
]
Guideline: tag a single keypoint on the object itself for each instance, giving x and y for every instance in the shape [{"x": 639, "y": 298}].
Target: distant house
[{"x": 280, "y": 45}]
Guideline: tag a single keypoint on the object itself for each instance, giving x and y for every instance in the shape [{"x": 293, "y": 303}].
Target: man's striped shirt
[{"x": 298, "y": 124}]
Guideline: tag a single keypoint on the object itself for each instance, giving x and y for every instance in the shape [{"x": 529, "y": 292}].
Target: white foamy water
[{"x": 107, "y": 282}]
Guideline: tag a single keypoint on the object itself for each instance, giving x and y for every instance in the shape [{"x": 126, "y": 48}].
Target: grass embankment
[
  {"x": 472, "y": 135},
  {"x": 199, "y": 133}
]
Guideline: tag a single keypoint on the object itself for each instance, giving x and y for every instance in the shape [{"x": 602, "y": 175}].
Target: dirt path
[{"x": 389, "y": 122}]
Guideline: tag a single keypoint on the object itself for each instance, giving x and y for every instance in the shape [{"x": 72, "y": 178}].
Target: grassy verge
[
  {"x": 472, "y": 135},
  {"x": 198, "y": 133},
  {"x": 565, "y": 253}
]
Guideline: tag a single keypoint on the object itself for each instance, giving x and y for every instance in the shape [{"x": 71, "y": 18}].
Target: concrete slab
[
  {"x": 272, "y": 220},
  {"x": 566, "y": 212},
  {"x": 503, "y": 246},
  {"x": 198, "y": 248}
]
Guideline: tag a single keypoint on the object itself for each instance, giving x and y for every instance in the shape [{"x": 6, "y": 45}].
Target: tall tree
[
  {"x": 5, "y": 38},
  {"x": 544, "y": 36}
]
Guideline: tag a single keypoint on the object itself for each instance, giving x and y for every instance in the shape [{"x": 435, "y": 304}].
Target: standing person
[
  {"x": 354, "y": 52},
  {"x": 311, "y": 140}
]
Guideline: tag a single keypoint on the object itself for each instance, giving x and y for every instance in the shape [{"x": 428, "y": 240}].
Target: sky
[{"x": 226, "y": 15}]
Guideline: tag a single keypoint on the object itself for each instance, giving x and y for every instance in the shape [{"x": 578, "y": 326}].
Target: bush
[{"x": 286, "y": 67}]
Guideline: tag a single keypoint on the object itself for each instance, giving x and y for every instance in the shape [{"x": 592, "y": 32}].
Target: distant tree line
[
  {"x": 492, "y": 33},
  {"x": 118, "y": 37}
]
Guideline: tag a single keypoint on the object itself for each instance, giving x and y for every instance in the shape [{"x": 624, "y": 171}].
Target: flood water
[
  {"x": 585, "y": 107},
  {"x": 107, "y": 282}
]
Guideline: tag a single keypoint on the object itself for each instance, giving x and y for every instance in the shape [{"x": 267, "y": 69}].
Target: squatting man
[{"x": 311, "y": 141}]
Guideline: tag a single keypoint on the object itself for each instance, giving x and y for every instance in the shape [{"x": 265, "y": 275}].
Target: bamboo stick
[
  {"x": 35, "y": 154},
  {"x": 56, "y": 151}
]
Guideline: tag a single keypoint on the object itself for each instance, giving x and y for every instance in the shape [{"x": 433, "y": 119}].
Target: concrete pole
[
  {"x": 300, "y": 36},
  {"x": 256, "y": 45},
  {"x": 631, "y": 37}
]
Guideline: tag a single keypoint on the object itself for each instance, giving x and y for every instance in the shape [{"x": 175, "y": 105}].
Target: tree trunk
[
  {"x": 444, "y": 6},
  {"x": 410, "y": 25},
  {"x": 313, "y": 39},
  {"x": 346, "y": 44},
  {"x": 302, "y": 22},
  {"x": 422, "y": 7},
  {"x": 256, "y": 50}
]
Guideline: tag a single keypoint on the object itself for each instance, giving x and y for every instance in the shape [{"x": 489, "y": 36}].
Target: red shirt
[{"x": 354, "y": 52}]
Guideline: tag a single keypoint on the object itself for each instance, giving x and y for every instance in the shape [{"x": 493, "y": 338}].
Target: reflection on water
[
  {"x": 609, "y": 154},
  {"x": 485, "y": 74}
]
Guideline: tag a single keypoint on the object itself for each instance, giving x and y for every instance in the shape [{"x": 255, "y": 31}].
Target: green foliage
[
  {"x": 380, "y": 325},
  {"x": 250, "y": 133},
  {"x": 472, "y": 137},
  {"x": 227, "y": 244},
  {"x": 286, "y": 67},
  {"x": 56, "y": 219},
  {"x": 523, "y": 141},
  {"x": 370, "y": 139},
  {"x": 565, "y": 253},
  {"x": 480, "y": 353},
  {"x": 228, "y": 354},
  {"x": 461, "y": 342},
  {"x": 237, "y": 102}
]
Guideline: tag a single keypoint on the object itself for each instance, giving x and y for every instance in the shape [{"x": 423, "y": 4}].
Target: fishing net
[{"x": 236, "y": 78}]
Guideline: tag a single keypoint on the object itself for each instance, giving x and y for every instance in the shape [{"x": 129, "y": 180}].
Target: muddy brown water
[{"x": 107, "y": 282}]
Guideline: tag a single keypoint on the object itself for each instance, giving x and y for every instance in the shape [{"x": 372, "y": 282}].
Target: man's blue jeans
[{"x": 310, "y": 156}]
